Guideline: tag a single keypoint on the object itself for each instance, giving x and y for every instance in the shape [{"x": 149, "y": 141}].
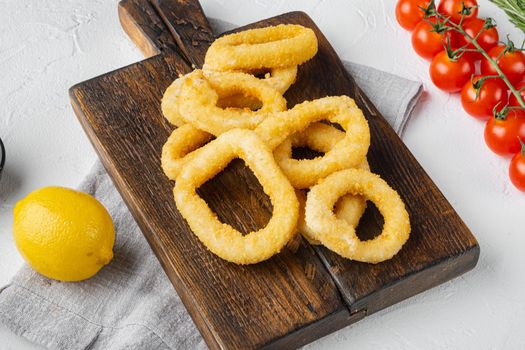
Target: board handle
[
  {"x": 189, "y": 27},
  {"x": 145, "y": 28}
]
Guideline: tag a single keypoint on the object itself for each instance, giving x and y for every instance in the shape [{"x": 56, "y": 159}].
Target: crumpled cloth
[{"x": 130, "y": 303}]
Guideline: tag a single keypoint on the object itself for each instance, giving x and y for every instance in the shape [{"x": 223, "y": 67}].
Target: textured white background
[{"x": 48, "y": 45}]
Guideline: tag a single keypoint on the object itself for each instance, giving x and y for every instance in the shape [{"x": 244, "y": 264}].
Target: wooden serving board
[{"x": 305, "y": 292}]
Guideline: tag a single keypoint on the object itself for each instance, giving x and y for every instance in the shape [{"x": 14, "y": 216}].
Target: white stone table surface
[{"x": 48, "y": 45}]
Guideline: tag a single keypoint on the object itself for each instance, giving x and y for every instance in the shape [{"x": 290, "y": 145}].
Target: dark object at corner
[{"x": 2, "y": 157}]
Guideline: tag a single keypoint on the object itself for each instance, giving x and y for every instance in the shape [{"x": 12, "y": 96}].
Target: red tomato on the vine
[
  {"x": 513, "y": 101},
  {"x": 450, "y": 74},
  {"x": 512, "y": 63},
  {"x": 487, "y": 39},
  {"x": 492, "y": 92},
  {"x": 517, "y": 169},
  {"x": 501, "y": 135},
  {"x": 452, "y": 9},
  {"x": 410, "y": 12},
  {"x": 427, "y": 42}
]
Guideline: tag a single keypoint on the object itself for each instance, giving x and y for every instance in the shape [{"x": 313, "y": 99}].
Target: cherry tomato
[
  {"x": 501, "y": 135},
  {"x": 409, "y": 12},
  {"x": 451, "y": 74},
  {"x": 452, "y": 9},
  {"x": 517, "y": 169},
  {"x": 513, "y": 101},
  {"x": 512, "y": 63},
  {"x": 425, "y": 41},
  {"x": 487, "y": 39},
  {"x": 456, "y": 39},
  {"x": 491, "y": 93}
]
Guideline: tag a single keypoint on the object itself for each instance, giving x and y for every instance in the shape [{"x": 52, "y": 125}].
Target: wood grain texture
[
  {"x": 189, "y": 27},
  {"x": 144, "y": 26},
  {"x": 233, "y": 306},
  {"x": 304, "y": 292}
]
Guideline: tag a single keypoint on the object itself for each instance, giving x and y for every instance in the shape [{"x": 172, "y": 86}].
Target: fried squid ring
[
  {"x": 322, "y": 138},
  {"x": 222, "y": 239},
  {"x": 348, "y": 152},
  {"x": 180, "y": 147},
  {"x": 184, "y": 140},
  {"x": 170, "y": 102},
  {"x": 339, "y": 236},
  {"x": 280, "y": 46},
  {"x": 348, "y": 208},
  {"x": 319, "y": 137},
  {"x": 279, "y": 79},
  {"x": 199, "y": 96}
]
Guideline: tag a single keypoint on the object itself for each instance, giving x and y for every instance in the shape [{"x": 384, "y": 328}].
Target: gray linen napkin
[{"x": 130, "y": 304}]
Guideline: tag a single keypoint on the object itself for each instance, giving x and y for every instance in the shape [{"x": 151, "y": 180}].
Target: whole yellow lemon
[{"x": 63, "y": 234}]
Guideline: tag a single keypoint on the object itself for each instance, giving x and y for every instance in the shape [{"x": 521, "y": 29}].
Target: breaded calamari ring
[
  {"x": 349, "y": 208},
  {"x": 278, "y": 46},
  {"x": 237, "y": 98},
  {"x": 279, "y": 79},
  {"x": 169, "y": 104},
  {"x": 348, "y": 152},
  {"x": 340, "y": 237},
  {"x": 322, "y": 138},
  {"x": 199, "y": 96},
  {"x": 220, "y": 238},
  {"x": 187, "y": 138},
  {"x": 319, "y": 137},
  {"x": 180, "y": 147}
]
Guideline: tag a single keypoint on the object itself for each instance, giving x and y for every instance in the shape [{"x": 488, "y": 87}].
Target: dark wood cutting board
[{"x": 305, "y": 292}]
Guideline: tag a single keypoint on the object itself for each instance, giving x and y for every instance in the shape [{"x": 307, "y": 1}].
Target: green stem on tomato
[
  {"x": 522, "y": 146},
  {"x": 481, "y": 80},
  {"x": 500, "y": 72},
  {"x": 502, "y": 75}
]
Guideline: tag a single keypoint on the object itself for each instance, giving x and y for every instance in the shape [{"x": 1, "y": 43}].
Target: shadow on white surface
[{"x": 9, "y": 184}]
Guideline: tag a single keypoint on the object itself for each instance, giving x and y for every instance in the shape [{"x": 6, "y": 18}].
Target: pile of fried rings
[{"x": 225, "y": 111}]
